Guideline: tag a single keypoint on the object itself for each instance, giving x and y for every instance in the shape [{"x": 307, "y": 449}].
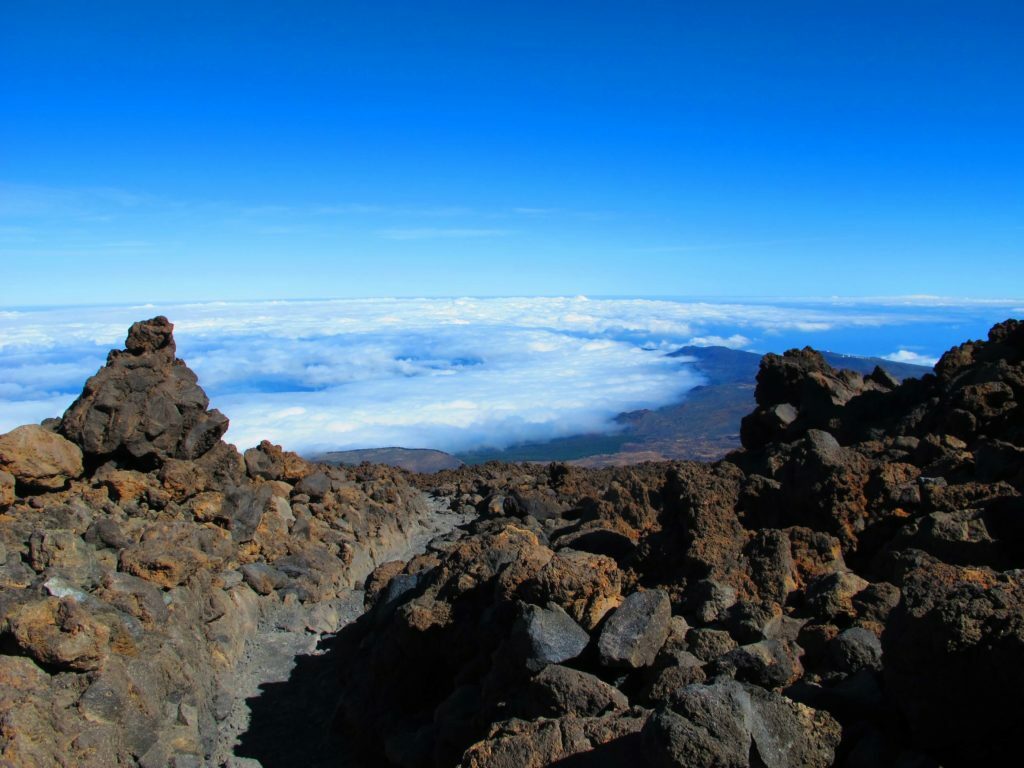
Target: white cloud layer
[
  {"x": 443, "y": 373},
  {"x": 914, "y": 358}
]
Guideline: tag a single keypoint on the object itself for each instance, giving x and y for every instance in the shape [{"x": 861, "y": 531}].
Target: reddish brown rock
[
  {"x": 38, "y": 458},
  {"x": 144, "y": 403}
]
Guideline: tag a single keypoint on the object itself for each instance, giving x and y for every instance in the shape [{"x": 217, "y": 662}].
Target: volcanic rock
[
  {"x": 954, "y": 661},
  {"x": 39, "y": 459},
  {"x": 144, "y": 403},
  {"x": 559, "y": 690},
  {"x": 550, "y": 635},
  {"x": 637, "y": 629},
  {"x": 858, "y": 563}
]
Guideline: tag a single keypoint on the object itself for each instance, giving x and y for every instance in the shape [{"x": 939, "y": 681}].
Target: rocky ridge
[
  {"x": 844, "y": 591},
  {"x": 140, "y": 556}
]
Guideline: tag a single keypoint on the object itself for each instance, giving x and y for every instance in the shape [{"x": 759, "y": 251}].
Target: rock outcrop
[
  {"x": 145, "y": 404},
  {"x": 843, "y": 592},
  {"x": 139, "y": 552}
]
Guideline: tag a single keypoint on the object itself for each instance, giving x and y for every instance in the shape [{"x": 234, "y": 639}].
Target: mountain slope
[{"x": 704, "y": 426}]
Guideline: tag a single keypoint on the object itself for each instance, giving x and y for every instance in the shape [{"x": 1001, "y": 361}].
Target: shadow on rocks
[{"x": 292, "y": 723}]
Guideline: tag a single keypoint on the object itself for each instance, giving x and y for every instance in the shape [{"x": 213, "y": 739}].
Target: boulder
[
  {"x": 637, "y": 629},
  {"x": 587, "y": 586},
  {"x": 38, "y": 459},
  {"x": 856, "y": 649},
  {"x": 558, "y": 690},
  {"x": 771, "y": 664},
  {"x": 549, "y": 635},
  {"x": 60, "y": 633},
  {"x": 538, "y": 743},
  {"x": 263, "y": 578},
  {"x": 727, "y": 724}
]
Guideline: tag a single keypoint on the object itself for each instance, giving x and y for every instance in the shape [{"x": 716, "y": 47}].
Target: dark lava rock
[
  {"x": 954, "y": 661},
  {"x": 549, "y": 635},
  {"x": 144, "y": 402},
  {"x": 636, "y": 630},
  {"x": 855, "y": 649},
  {"x": 728, "y": 724},
  {"x": 315, "y": 485},
  {"x": 559, "y": 690}
]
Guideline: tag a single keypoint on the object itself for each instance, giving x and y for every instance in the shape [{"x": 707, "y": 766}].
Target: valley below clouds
[{"x": 451, "y": 374}]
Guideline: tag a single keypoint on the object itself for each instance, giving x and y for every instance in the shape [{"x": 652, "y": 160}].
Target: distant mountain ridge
[
  {"x": 704, "y": 426},
  {"x": 423, "y": 460}
]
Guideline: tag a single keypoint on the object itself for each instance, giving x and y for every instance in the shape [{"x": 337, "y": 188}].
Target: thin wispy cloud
[
  {"x": 434, "y": 233},
  {"x": 736, "y": 341},
  {"x": 909, "y": 356},
  {"x": 727, "y": 246},
  {"x": 31, "y": 200}
]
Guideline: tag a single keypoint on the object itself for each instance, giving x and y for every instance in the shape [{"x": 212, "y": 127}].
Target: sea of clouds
[{"x": 453, "y": 374}]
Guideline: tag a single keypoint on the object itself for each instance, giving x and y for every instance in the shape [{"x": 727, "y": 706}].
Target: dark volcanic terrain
[
  {"x": 845, "y": 590},
  {"x": 705, "y": 426}
]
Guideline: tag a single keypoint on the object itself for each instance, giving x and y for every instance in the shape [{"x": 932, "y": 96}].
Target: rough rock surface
[
  {"x": 132, "y": 584},
  {"x": 144, "y": 404},
  {"x": 844, "y": 591},
  {"x": 38, "y": 459},
  {"x": 637, "y": 629},
  {"x": 841, "y": 592}
]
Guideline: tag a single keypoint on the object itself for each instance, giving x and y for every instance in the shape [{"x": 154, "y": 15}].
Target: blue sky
[{"x": 178, "y": 151}]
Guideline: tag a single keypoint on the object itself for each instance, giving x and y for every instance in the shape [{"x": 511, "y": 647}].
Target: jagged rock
[
  {"x": 559, "y": 690},
  {"x": 136, "y": 597},
  {"x": 771, "y": 664},
  {"x": 7, "y": 494},
  {"x": 711, "y": 599},
  {"x": 636, "y": 631},
  {"x": 549, "y": 635},
  {"x": 144, "y": 403},
  {"x": 831, "y": 596},
  {"x": 402, "y": 585},
  {"x": 727, "y": 724},
  {"x": 377, "y": 582},
  {"x": 122, "y": 484},
  {"x": 587, "y": 586},
  {"x": 270, "y": 462},
  {"x": 538, "y": 743},
  {"x": 38, "y": 459},
  {"x": 855, "y": 649},
  {"x": 954, "y": 661},
  {"x": 708, "y": 644},
  {"x": 315, "y": 485},
  {"x": 683, "y": 669},
  {"x": 60, "y": 633},
  {"x": 533, "y": 504},
  {"x": 65, "y": 553},
  {"x": 263, "y": 578}
]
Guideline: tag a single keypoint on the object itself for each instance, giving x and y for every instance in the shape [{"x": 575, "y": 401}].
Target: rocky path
[{"x": 276, "y": 706}]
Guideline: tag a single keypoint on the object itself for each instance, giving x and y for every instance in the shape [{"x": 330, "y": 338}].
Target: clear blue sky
[{"x": 225, "y": 150}]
